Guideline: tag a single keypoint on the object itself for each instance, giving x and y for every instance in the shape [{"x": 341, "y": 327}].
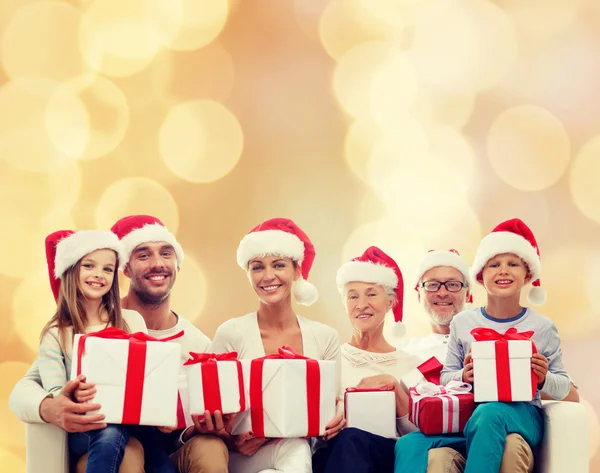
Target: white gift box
[
  {"x": 372, "y": 410},
  {"x": 216, "y": 389},
  {"x": 499, "y": 378},
  {"x": 146, "y": 382},
  {"x": 283, "y": 393}
]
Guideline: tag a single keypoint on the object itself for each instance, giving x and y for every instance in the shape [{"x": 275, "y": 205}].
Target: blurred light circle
[
  {"x": 202, "y": 21},
  {"x": 539, "y": 19},
  {"x": 24, "y": 143},
  {"x": 394, "y": 89},
  {"x": 133, "y": 196},
  {"x": 394, "y": 12},
  {"x": 360, "y": 140},
  {"x": 347, "y": 24},
  {"x": 528, "y": 147},
  {"x": 121, "y": 38},
  {"x": 201, "y": 141},
  {"x": 464, "y": 45},
  {"x": 39, "y": 45},
  {"x": 12, "y": 430},
  {"x": 190, "y": 280},
  {"x": 583, "y": 179},
  {"x": 354, "y": 75},
  {"x": 438, "y": 107},
  {"x": 86, "y": 119},
  {"x": 308, "y": 15},
  {"x": 30, "y": 314},
  {"x": 8, "y": 459}
]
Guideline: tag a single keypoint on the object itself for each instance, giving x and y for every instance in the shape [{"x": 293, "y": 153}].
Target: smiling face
[
  {"x": 152, "y": 269},
  {"x": 366, "y": 306},
  {"x": 505, "y": 275},
  {"x": 272, "y": 277},
  {"x": 96, "y": 273},
  {"x": 442, "y": 306}
]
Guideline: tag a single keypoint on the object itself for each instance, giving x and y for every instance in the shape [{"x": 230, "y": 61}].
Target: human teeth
[
  {"x": 95, "y": 284},
  {"x": 156, "y": 278},
  {"x": 270, "y": 288}
]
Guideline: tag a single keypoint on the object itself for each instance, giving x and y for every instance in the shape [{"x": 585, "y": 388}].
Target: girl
[
  {"x": 277, "y": 256},
  {"x": 83, "y": 270}
]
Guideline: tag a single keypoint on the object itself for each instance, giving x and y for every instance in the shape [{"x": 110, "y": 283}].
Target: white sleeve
[
  {"x": 51, "y": 362},
  {"x": 226, "y": 339},
  {"x": 27, "y": 395}
]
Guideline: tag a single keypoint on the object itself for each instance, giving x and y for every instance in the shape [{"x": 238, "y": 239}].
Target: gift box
[
  {"x": 502, "y": 365},
  {"x": 215, "y": 383},
  {"x": 440, "y": 409},
  {"x": 289, "y": 396},
  {"x": 135, "y": 376},
  {"x": 427, "y": 372},
  {"x": 372, "y": 410}
]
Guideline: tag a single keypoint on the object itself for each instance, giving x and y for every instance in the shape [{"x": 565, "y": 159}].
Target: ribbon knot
[
  {"x": 210, "y": 357},
  {"x": 430, "y": 389},
  {"x": 483, "y": 334}
]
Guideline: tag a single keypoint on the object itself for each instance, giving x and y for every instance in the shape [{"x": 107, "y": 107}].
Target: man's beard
[
  {"x": 440, "y": 319},
  {"x": 151, "y": 299}
]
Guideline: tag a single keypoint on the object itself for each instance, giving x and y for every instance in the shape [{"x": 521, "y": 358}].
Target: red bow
[
  {"x": 204, "y": 357},
  {"x": 483, "y": 334},
  {"x": 284, "y": 352}
]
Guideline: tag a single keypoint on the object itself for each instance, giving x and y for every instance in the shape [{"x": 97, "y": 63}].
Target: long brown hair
[{"x": 70, "y": 311}]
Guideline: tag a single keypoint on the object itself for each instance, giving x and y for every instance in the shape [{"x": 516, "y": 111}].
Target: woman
[
  {"x": 277, "y": 256},
  {"x": 371, "y": 285}
]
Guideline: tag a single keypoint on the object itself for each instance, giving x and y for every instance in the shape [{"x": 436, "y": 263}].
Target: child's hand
[
  {"x": 84, "y": 392},
  {"x": 166, "y": 430},
  {"x": 467, "y": 376},
  {"x": 539, "y": 365}
]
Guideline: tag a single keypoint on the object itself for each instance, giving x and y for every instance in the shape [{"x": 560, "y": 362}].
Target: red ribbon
[
  {"x": 210, "y": 378},
  {"x": 502, "y": 357},
  {"x": 431, "y": 370},
  {"x": 313, "y": 391},
  {"x": 136, "y": 367}
]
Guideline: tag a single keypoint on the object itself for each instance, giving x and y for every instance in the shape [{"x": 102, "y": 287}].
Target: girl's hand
[
  {"x": 166, "y": 430},
  {"x": 334, "y": 427},
  {"x": 248, "y": 445},
  {"x": 84, "y": 392},
  {"x": 467, "y": 376},
  {"x": 539, "y": 365}
]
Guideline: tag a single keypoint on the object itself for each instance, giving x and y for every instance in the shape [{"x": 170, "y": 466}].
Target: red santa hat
[
  {"x": 64, "y": 248},
  {"x": 512, "y": 236},
  {"x": 451, "y": 258},
  {"x": 281, "y": 236},
  {"x": 137, "y": 229},
  {"x": 374, "y": 266}
]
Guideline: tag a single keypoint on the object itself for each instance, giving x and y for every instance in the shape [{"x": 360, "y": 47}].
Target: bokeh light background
[{"x": 410, "y": 124}]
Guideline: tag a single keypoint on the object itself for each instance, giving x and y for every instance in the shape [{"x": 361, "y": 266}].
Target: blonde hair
[{"x": 70, "y": 311}]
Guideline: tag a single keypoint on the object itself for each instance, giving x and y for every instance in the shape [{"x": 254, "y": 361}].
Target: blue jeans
[
  {"x": 156, "y": 458},
  {"x": 105, "y": 448}
]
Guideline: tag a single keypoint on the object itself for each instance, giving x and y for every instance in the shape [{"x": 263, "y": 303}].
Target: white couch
[{"x": 563, "y": 450}]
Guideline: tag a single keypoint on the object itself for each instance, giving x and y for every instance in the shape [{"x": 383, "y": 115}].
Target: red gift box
[{"x": 440, "y": 409}]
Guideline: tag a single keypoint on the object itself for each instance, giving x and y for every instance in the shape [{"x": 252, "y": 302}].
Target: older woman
[
  {"x": 277, "y": 256},
  {"x": 371, "y": 285}
]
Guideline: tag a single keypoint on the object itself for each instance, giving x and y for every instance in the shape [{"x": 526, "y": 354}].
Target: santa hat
[
  {"x": 137, "y": 229},
  {"x": 451, "y": 258},
  {"x": 281, "y": 236},
  {"x": 512, "y": 236},
  {"x": 374, "y": 266},
  {"x": 64, "y": 248}
]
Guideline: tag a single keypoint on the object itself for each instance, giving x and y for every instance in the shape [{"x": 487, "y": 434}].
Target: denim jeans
[{"x": 105, "y": 448}]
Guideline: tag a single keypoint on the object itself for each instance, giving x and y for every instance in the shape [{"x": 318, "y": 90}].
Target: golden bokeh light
[
  {"x": 136, "y": 195},
  {"x": 464, "y": 46},
  {"x": 529, "y": 148},
  {"x": 121, "y": 38},
  {"x": 201, "y": 141},
  {"x": 87, "y": 117},
  {"x": 54, "y": 25},
  {"x": 21, "y": 118},
  {"x": 346, "y": 24},
  {"x": 360, "y": 140},
  {"x": 9, "y": 460},
  {"x": 593, "y": 427},
  {"x": 12, "y": 432},
  {"x": 449, "y": 108},
  {"x": 190, "y": 280},
  {"x": 201, "y": 22},
  {"x": 394, "y": 89},
  {"x": 354, "y": 75},
  {"x": 537, "y": 19},
  {"x": 583, "y": 179}
]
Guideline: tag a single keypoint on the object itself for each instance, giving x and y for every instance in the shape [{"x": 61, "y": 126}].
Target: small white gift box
[
  {"x": 372, "y": 410},
  {"x": 135, "y": 376}
]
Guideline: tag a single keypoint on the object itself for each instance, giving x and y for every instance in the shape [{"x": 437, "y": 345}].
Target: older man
[
  {"x": 444, "y": 289},
  {"x": 154, "y": 259}
]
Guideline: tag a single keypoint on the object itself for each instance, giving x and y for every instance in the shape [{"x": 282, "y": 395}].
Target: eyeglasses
[{"x": 451, "y": 286}]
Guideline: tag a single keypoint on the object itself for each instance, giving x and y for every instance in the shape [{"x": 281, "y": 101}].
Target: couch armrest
[
  {"x": 565, "y": 444},
  {"x": 46, "y": 449}
]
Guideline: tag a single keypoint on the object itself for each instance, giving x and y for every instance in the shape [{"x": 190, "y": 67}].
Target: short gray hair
[{"x": 390, "y": 292}]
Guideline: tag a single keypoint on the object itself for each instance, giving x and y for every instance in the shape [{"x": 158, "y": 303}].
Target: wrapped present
[
  {"x": 427, "y": 372},
  {"x": 215, "y": 383},
  {"x": 502, "y": 365},
  {"x": 440, "y": 409},
  {"x": 135, "y": 375},
  {"x": 289, "y": 396},
  {"x": 372, "y": 410}
]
